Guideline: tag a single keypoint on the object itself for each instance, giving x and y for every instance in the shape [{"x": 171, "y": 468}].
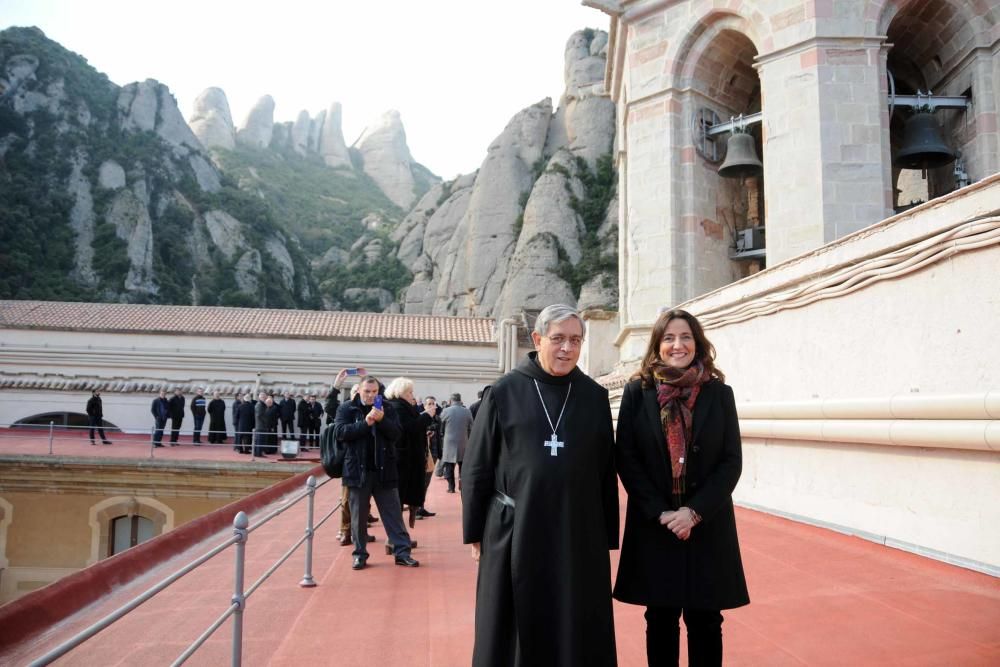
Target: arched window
[{"x": 128, "y": 531}]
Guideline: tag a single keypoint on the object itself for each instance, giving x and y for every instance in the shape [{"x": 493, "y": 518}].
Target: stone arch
[
  {"x": 6, "y": 518},
  {"x": 981, "y": 14},
  {"x": 103, "y": 512},
  {"x": 683, "y": 61}
]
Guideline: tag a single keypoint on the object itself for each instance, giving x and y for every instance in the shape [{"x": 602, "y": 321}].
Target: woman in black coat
[
  {"x": 411, "y": 459},
  {"x": 679, "y": 457}
]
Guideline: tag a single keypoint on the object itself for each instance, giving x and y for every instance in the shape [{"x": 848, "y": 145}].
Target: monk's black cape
[{"x": 543, "y": 595}]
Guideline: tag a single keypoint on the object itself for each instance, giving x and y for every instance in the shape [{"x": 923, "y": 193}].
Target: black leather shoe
[
  {"x": 422, "y": 513},
  {"x": 358, "y": 564},
  {"x": 407, "y": 561}
]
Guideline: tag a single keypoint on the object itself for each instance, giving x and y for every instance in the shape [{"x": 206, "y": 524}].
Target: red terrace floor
[
  {"x": 76, "y": 442},
  {"x": 819, "y": 598}
]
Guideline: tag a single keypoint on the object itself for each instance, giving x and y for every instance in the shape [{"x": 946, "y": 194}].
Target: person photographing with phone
[{"x": 369, "y": 430}]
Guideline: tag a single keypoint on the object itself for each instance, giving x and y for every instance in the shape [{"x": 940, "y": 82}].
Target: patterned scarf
[{"x": 676, "y": 392}]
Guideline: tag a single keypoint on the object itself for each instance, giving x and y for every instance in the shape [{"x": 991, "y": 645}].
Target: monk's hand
[
  {"x": 666, "y": 517},
  {"x": 682, "y": 522},
  {"x": 475, "y": 551}
]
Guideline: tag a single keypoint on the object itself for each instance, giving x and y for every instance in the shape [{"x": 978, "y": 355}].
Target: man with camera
[{"x": 369, "y": 431}]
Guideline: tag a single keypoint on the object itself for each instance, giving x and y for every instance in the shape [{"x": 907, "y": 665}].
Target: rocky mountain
[
  {"x": 135, "y": 204},
  {"x": 107, "y": 194},
  {"x": 537, "y": 223}
]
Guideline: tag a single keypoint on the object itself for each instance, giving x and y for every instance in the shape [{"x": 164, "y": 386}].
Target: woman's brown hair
[{"x": 704, "y": 351}]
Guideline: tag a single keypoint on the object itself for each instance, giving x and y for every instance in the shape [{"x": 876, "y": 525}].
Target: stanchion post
[
  {"x": 307, "y": 578},
  {"x": 152, "y": 441},
  {"x": 240, "y": 524},
  {"x": 51, "y": 429}
]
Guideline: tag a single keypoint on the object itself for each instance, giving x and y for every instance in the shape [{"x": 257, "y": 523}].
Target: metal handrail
[
  {"x": 30, "y": 431},
  {"x": 241, "y": 533}
]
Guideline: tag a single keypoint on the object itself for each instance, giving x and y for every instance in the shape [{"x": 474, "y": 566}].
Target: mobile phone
[
  {"x": 378, "y": 401},
  {"x": 352, "y": 371}
]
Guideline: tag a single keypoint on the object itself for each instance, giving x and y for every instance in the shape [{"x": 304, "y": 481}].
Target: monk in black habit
[{"x": 540, "y": 508}]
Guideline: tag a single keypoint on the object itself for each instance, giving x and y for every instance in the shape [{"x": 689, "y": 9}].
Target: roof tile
[{"x": 249, "y": 322}]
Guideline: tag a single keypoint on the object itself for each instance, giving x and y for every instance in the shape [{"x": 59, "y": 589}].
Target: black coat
[
  {"x": 245, "y": 419},
  {"x": 160, "y": 409},
  {"x": 304, "y": 419},
  {"x": 656, "y": 568},
  {"x": 351, "y": 429},
  {"x": 412, "y": 452},
  {"x": 287, "y": 409},
  {"x": 176, "y": 404},
  {"x": 331, "y": 405},
  {"x": 544, "y": 569},
  {"x": 217, "y": 415},
  {"x": 95, "y": 408}
]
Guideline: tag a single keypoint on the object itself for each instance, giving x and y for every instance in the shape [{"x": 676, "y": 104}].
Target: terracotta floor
[
  {"x": 75, "y": 442},
  {"x": 818, "y": 598}
]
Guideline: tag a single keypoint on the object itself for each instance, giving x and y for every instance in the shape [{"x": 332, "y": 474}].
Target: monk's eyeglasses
[{"x": 560, "y": 340}]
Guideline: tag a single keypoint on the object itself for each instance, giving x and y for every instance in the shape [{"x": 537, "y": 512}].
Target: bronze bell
[
  {"x": 923, "y": 147},
  {"x": 741, "y": 157}
]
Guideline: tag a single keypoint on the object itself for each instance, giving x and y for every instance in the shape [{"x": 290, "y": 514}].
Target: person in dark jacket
[
  {"x": 309, "y": 417},
  {"x": 245, "y": 423},
  {"x": 259, "y": 423},
  {"x": 199, "y": 408},
  {"x": 216, "y": 419},
  {"x": 160, "y": 410},
  {"x": 269, "y": 437},
  {"x": 679, "y": 457},
  {"x": 176, "y": 416},
  {"x": 474, "y": 408},
  {"x": 369, "y": 434},
  {"x": 237, "y": 402},
  {"x": 411, "y": 449},
  {"x": 95, "y": 415},
  {"x": 316, "y": 421},
  {"x": 287, "y": 414}
]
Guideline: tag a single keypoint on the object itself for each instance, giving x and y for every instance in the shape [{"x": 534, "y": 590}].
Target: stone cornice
[{"x": 191, "y": 479}]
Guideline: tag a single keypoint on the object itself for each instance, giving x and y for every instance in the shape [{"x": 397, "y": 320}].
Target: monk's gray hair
[{"x": 557, "y": 313}]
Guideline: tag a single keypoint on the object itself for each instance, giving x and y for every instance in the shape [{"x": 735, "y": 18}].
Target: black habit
[
  {"x": 656, "y": 568},
  {"x": 544, "y": 591},
  {"x": 217, "y": 420}
]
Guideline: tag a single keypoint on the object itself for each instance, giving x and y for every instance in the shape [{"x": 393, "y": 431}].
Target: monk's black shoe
[{"x": 407, "y": 561}]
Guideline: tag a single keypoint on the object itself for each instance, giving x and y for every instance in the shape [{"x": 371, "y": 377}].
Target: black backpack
[{"x": 331, "y": 452}]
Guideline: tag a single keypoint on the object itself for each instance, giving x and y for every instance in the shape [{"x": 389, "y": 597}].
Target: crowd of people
[
  {"x": 257, "y": 423},
  {"x": 537, "y": 463}
]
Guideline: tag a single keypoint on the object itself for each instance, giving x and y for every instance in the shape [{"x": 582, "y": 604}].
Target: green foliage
[
  {"x": 322, "y": 206},
  {"x": 599, "y": 189}
]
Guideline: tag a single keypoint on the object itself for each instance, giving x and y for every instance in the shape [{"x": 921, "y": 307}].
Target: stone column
[{"x": 825, "y": 143}]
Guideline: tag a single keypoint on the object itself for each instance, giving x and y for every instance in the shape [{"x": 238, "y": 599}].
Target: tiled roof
[{"x": 249, "y": 322}]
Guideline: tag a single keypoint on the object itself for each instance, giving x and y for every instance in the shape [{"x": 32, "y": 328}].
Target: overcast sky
[{"x": 456, "y": 70}]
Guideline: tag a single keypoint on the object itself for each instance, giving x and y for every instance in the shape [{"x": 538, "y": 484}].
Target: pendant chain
[{"x": 542, "y": 400}]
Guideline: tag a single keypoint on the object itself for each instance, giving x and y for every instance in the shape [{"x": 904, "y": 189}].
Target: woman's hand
[{"x": 680, "y": 522}]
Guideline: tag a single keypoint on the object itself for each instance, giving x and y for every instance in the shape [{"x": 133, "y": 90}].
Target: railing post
[
  {"x": 307, "y": 578},
  {"x": 240, "y": 524},
  {"x": 51, "y": 429},
  {"x": 152, "y": 441}
]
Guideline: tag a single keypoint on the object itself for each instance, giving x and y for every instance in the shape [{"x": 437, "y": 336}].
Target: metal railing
[
  {"x": 241, "y": 534},
  {"x": 31, "y": 432}
]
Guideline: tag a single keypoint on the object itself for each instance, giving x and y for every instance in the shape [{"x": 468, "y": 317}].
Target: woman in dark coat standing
[
  {"x": 679, "y": 457},
  {"x": 411, "y": 450}
]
